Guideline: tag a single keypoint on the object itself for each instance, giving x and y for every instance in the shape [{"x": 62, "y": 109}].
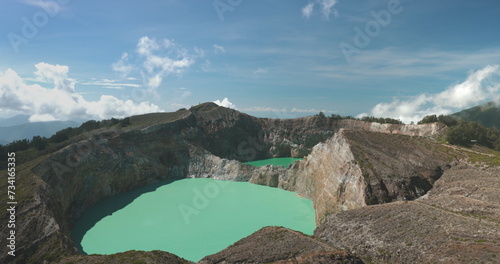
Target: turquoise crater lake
[
  {"x": 273, "y": 161},
  {"x": 193, "y": 218}
]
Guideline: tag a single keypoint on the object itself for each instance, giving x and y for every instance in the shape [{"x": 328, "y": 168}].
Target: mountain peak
[{"x": 203, "y": 107}]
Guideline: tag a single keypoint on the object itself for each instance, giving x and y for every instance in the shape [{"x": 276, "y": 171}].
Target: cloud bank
[
  {"x": 480, "y": 86},
  {"x": 60, "y": 102}
]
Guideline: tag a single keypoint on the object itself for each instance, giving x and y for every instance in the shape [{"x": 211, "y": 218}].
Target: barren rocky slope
[
  {"x": 456, "y": 222},
  {"x": 280, "y": 245},
  {"x": 347, "y": 170}
]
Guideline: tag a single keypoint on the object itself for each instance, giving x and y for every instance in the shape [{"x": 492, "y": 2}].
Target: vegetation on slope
[
  {"x": 36, "y": 146},
  {"x": 380, "y": 120},
  {"x": 445, "y": 119},
  {"x": 466, "y": 134},
  {"x": 487, "y": 115}
]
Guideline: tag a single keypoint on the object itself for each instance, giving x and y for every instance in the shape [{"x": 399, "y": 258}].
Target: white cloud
[
  {"x": 112, "y": 84},
  {"x": 51, "y": 7},
  {"x": 225, "y": 103},
  {"x": 114, "y": 87},
  {"x": 263, "y": 109},
  {"x": 61, "y": 102},
  {"x": 186, "y": 94},
  {"x": 206, "y": 66},
  {"x": 57, "y": 74},
  {"x": 327, "y": 8},
  {"x": 121, "y": 66},
  {"x": 155, "y": 60},
  {"x": 308, "y": 10},
  {"x": 155, "y": 80},
  {"x": 470, "y": 92},
  {"x": 407, "y": 110},
  {"x": 218, "y": 49},
  {"x": 199, "y": 52},
  {"x": 478, "y": 87},
  {"x": 147, "y": 46},
  {"x": 158, "y": 66},
  {"x": 260, "y": 71},
  {"x": 298, "y": 110},
  {"x": 42, "y": 118}
]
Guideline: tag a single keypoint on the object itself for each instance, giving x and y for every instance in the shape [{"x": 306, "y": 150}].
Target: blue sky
[{"x": 67, "y": 59}]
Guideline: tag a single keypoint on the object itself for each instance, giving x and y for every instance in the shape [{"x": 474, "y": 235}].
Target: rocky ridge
[{"x": 60, "y": 186}]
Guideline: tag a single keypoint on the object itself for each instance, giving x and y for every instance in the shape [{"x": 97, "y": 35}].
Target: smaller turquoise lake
[
  {"x": 191, "y": 218},
  {"x": 274, "y": 161}
]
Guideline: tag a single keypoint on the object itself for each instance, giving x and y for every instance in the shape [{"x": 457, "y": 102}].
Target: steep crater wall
[{"x": 200, "y": 144}]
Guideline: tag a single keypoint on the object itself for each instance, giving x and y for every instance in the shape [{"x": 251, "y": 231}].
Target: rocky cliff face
[
  {"x": 57, "y": 188},
  {"x": 329, "y": 176}
]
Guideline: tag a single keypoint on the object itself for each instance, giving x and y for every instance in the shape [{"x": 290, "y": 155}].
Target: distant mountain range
[
  {"x": 487, "y": 114},
  {"x": 19, "y": 127},
  {"x": 14, "y": 121}
]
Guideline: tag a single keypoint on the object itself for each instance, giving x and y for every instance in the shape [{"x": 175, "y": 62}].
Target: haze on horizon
[{"x": 67, "y": 60}]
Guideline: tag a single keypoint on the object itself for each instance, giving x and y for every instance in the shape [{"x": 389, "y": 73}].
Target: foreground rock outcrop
[
  {"x": 280, "y": 245},
  {"x": 129, "y": 257},
  {"x": 456, "y": 222}
]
